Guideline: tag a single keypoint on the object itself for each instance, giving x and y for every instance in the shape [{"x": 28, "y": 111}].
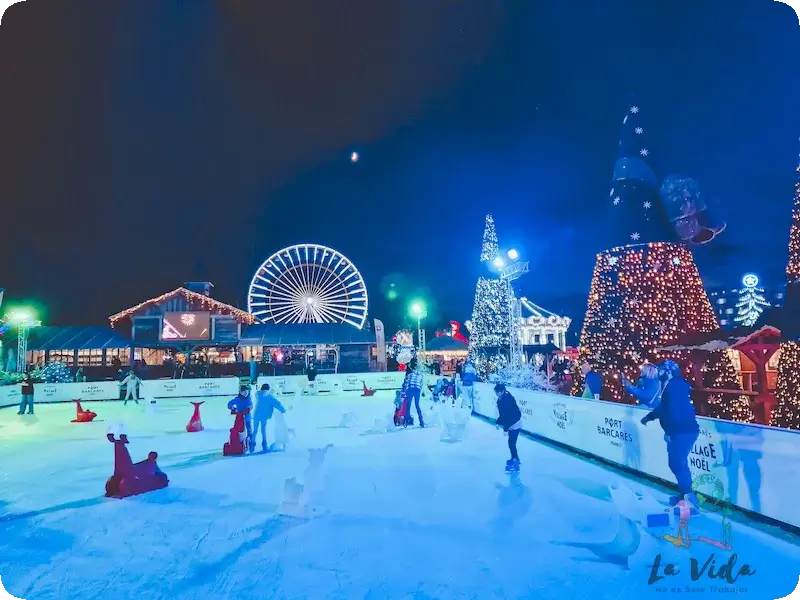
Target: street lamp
[
  {"x": 515, "y": 269},
  {"x": 24, "y": 322},
  {"x": 418, "y": 311}
]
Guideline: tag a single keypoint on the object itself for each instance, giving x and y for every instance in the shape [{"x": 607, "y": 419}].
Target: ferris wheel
[{"x": 308, "y": 283}]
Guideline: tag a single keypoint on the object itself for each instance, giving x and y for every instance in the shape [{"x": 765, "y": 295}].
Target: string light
[
  {"x": 787, "y": 393},
  {"x": 197, "y": 300},
  {"x": 645, "y": 297}
]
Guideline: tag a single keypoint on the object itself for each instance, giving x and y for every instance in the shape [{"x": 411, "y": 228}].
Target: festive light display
[
  {"x": 644, "y": 297},
  {"x": 489, "y": 247},
  {"x": 787, "y": 393},
  {"x": 751, "y": 301},
  {"x": 56, "y": 372},
  {"x": 197, "y": 301}
]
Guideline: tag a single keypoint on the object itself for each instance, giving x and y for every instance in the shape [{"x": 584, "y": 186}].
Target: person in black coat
[{"x": 509, "y": 419}]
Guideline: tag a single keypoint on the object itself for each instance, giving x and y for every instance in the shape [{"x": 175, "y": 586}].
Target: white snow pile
[{"x": 526, "y": 377}]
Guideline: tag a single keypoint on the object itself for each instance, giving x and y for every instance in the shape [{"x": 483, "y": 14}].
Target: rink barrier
[
  {"x": 756, "y": 465},
  {"x": 199, "y": 388},
  {"x": 329, "y": 383}
]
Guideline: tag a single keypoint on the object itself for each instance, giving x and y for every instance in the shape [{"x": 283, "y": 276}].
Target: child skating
[
  {"x": 509, "y": 418},
  {"x": 240, "y": 403},
  {"x": 265, "y": 408}
]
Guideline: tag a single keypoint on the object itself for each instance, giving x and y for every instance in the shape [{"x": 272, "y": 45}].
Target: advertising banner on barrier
[
  {"x": 189, "y": 388},
  {"x": 349, "y": 382},
  {"x": 750, "y": 466},
  {"x": 62, "y": 392}
]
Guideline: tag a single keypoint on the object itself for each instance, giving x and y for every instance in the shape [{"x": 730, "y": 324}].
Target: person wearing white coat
[{"x": 132, "y": 382}]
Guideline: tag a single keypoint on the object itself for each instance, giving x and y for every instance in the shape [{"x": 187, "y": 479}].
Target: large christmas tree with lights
[
  {"x": 647, "y": 293},
  {"x": 787, "y": 395},
  {"x": 489, "y": 324}
]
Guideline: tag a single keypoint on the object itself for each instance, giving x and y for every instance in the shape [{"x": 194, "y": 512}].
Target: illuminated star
[
  {"x": 662, "y": 329},
  {"x": 635, "y": 236},
  {"x": 644, "y": 151},
  {"x": 634, "y": 302},
  {"x": 635, "y": 355},
  {"x": 639, "y": 131},
  {"x": 634, "y": 109},
  {"x": 648, "y": 204},
  {"x": 617, "y": 200}
]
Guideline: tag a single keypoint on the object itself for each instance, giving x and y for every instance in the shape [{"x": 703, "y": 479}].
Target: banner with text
[
  {"x": 350, "y": 382},
  {"x": 753, "y": 466},
  {"x": 189, "y": 388},
  {"x": 61, "y": 392}
]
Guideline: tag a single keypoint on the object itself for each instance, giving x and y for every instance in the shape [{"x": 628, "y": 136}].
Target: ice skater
[
  {"x": 509, "y": 419},
  {"x": 132, "y": 383},
  {"x": 468, "y": 378},
  {"x": 311, "y": 373},
  {"x": 241, "y": 403},
  {"x": 27, "y": 395},
  {"x": 647, "y": 390},
  {"x": 678, "y": 419},
  {"x": 265, "y": 407},
  {"x": 415, "y": 380}
]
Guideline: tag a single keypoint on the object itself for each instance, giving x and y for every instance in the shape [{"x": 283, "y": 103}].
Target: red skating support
[
  {"x": 83, "y": 416},
  {"x": 195, "y": 424},
  {"x": 238, "y": 443},
  {"x": 367, "y": 391},
  {"x": 129, "y": 478}
]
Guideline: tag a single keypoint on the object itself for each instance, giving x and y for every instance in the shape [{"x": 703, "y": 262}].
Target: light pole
[
  {"x": 508, "y": 273},
  {"x": 24, "y": 322},
  {"x": 418, "y": 311}
]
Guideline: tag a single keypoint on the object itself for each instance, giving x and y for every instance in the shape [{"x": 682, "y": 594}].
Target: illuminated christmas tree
[
  {"x": 489, "y": 323},
  {"x": 490, "y": 249},
  {"x": 648, "y": 293},
  {"x": 751, "y": 301},
  {"x": 787, "y": 394}
]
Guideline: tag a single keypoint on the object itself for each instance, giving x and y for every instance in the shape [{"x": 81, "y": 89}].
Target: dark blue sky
[{"x": 147, "y": 143}]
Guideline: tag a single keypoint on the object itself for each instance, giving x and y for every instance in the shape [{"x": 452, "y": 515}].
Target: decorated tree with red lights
[
  {"x": 648, "y": 293},
  {"x": 787, "y": 395}
]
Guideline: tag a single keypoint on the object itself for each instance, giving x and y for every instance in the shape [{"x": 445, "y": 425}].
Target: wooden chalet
[{"x": 754, "y": 352}]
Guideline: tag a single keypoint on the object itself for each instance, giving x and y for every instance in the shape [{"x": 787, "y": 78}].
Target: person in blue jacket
[
  {"x": 241, "y": 403},
  {"x": 647, "y": 390},
  {"x": 594, "y": 382},
  {"x": 265, "y": 407},
  {"x": 678, "y": 419},
  {"x": 509, "y": 419},
  {"x": 469, "y": 376}
]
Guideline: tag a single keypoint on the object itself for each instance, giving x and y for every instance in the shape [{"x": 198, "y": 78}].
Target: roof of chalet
[
  {"x": 75, "y": 338},
  {"x": 720, "y": 339},
  {"x": 304, "y": 334},
  {"x": 244, "y": 316},
  {"x": 445, "y": 343}
]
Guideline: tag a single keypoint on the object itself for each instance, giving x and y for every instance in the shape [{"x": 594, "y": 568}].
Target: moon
[{"x": 354, "y": 157}]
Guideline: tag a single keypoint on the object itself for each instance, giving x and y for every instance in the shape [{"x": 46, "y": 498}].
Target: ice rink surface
[{"x": 393, "y": 514}]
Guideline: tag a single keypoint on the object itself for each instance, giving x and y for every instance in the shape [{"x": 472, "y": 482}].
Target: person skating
[
  {"x": 131, "y": 382},
  {"x": 468, "y": 378},
  {"x": 675, "y": 412},
  {"x": 647, "y": 389},
  {"x": 265, "y": 407},
  {"x": 311, "y": 373},
  {"x": 240, "y": 404},
  {"x": 415, "y": 380},
  {"x": 27, "y": 395},
  {"x": 509, "y": 419}
]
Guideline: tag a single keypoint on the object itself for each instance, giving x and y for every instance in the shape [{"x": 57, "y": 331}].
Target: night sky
[{"x": 147, "y": 143}]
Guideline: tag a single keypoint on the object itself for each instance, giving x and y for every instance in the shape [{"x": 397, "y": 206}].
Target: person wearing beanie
[
  {"x": 675, "y": 412},
  {"x": 509, "y": 419}
]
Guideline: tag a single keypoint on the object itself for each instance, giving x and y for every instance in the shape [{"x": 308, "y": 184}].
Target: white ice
[{"x": 379, "y": 514}]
